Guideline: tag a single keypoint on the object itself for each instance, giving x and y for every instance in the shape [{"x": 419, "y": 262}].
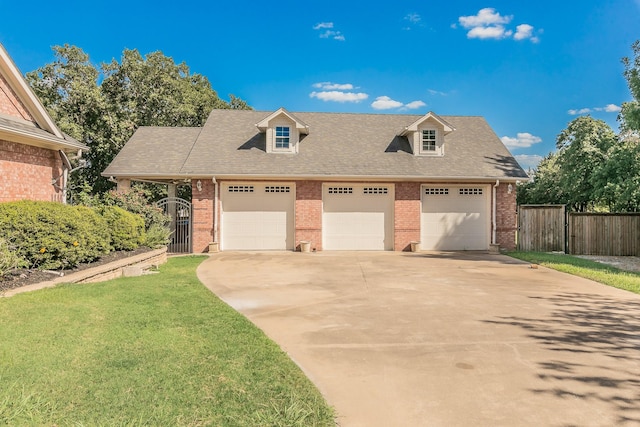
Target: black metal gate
[{"x": 181, "y": 225}]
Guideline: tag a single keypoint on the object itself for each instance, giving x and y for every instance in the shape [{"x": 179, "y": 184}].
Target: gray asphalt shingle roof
[
  {"x": 338, "y": 145},
  {"x": 30, "y": 129}
]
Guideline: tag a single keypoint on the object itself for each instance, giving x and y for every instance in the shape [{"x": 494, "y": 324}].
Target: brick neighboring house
[
  {"x": 34, "y": 153},
  {"x": 270, "y": 180}
]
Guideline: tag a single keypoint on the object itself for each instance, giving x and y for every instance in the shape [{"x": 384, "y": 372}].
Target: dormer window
[
  {"x": 429, "y": 140},
  {"x": 282, "y": 138},
  {"x": 426, "y": 135},
  {"x": 283, "y": 132}
]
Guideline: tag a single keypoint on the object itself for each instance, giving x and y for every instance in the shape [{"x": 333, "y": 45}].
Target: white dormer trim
[
  {"x": 436, "y": 128},
  {"x": 413, "y": 127},
  {"x": 301, "y": 126},
  {"x": 31, "y": 102},
  {"x": 281, "y": 126}
]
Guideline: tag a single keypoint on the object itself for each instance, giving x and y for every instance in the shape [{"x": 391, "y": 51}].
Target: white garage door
[
  {"x": 357, "y": 217},
  {"x": 455, "y": 217},
  {"x": 258, "y": 216}
]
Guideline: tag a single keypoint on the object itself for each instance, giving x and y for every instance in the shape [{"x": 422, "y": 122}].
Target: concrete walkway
[{"x": 443, "y": 339}]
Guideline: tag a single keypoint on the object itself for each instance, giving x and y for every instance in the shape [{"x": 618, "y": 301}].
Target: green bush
[
  {"x": 157, "y": 236},
  {"x": 52, "y": 235},
  {"x": 126, "y": 228},
  {"x": 9, "y": 259}
]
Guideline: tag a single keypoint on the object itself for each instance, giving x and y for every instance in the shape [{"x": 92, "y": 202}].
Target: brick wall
[
  {"x": 308, "y": 215},
  {"x": 506, "y": 225},
  {"x": 27, "y": 172},
  {"x": 202, "y": 215},
  {"x": 308, "y": 211},
  {"x": 407, "y": 215}
]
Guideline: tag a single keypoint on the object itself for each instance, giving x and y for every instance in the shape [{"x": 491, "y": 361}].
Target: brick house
[
  {"x": 271, "y": 180},
  {"x": 34, "y": 153}
]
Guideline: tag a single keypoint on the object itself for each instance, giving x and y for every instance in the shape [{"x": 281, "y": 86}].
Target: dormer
[
  {"x": 283, "y": 132},
  {"x": 426, "y": 135}
]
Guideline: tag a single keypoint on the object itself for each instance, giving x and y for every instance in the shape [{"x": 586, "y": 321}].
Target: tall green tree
[
  {"x": 617, "y": 181},
  {"x": 630, "y": 114},
  {"x": 103, "y": 105},
  {"x": 582, "y": 149}
]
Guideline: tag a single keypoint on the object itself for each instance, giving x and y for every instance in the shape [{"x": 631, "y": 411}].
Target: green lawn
[
  {"x": 152, "y": 350},
  {"x": 588, "y": 269}
]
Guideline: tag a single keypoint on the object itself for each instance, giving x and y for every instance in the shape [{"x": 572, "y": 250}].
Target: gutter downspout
[
  {"x": 495, "y": 199},
  {"x": 215, "y": 209}
]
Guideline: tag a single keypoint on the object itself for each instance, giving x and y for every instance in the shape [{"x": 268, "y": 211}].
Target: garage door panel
[
  {"x": 357, "y": 217},
  {"x": 455, "y": 218},
  {"x": 260, "y": 219}
]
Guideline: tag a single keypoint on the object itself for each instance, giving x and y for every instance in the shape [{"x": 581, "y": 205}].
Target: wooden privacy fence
[
  {"x": 604, "y": 234},
  {"x": 547, "y": 228},
  {"x": 541, "y": 228}
]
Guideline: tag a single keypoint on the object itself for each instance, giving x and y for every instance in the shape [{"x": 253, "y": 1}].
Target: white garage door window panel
[
  {"x": 357, "y": 217},
  {"x": 261, "y": 219},
  {"x": 455, "y": 217}
]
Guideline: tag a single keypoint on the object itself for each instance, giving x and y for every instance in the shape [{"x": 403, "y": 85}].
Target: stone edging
[{"x": 100, "y": 273}]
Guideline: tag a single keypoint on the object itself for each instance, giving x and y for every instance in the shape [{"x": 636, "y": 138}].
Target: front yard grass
[
  {"x": 151, "y": 350},
  {"x": 606, "y": 274}
]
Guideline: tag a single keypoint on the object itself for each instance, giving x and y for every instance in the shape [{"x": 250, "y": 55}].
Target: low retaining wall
[{"x": 100, "y": 273}]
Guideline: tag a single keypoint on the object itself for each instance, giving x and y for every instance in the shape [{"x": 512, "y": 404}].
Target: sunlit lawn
[
  {"x": 588, "y": 269},
  {"x": 151, "y": 350}
]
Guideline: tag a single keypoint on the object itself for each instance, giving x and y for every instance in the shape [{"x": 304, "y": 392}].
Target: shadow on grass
[{"x": 597, "y": 342}]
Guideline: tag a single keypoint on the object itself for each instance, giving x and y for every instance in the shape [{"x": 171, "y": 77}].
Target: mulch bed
[{"x": 25, "y": 277}]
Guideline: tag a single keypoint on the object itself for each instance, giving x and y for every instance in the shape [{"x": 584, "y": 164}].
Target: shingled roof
[{"x": 348, "y": 146}]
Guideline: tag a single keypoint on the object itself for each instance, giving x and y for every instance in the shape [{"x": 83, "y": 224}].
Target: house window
[
  {"x": 436, "y": 191},
  {"x": 282, "y": 137},
  {"x": 375, "y": 190},
  {"x": 470, "y": 191},
  {"x": 340, "y": 190},
  {"x": 277, "y": 189},
  {"x": 429, "y": 140},
  {"x": 241, "y": 189}
]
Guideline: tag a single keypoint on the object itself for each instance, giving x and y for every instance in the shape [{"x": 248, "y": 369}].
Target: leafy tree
[
  {"x": 102, "y": 106},
  {"x": 630, "y": 115},
  {"x": 617, "y": 181},
  {"x": 582, "y": 149},
  {"x": 544, "y": 188}
]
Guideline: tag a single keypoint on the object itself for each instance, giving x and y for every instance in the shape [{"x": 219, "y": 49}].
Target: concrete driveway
[{"x": 443, "y": 339}]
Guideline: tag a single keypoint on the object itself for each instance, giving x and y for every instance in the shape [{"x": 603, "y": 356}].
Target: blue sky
[{"x": 528, "y": 67}]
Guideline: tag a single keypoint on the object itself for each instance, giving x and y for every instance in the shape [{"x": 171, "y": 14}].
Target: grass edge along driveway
[
  {"x": 602, "y": 273},
  {"x": 152, "y": 350}
]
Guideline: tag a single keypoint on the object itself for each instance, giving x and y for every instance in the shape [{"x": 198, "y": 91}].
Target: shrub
[
  {"x": 52, "y": 235},
  {"x": 157, "y": 236},
  {"x": 126, "y": 229},
  {"x": 9, "y": 259}
]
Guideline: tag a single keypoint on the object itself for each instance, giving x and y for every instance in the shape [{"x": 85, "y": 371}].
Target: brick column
[
  {"x": 202, "y": 205},
  {"x": 309, "y": 213},
  {"x": 506, "y": 217},
  {"x": 407, "y": 212}
]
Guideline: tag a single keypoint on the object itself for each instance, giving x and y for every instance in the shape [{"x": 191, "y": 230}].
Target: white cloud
[
  {"x": 523, "y": 31},
  {"x": 385, "y": 103},
  {"x": 329, "y": 33},
  {"x": 522, "y": 140},
  {"x": 485, "y": 17},
  {"x": 322, "y": 25},
  {"x": 528, "y": 161},
  {"x": 612, "y": 108},
  {"x": 437, "y": 92},
  {"x": 414, "y": 105},
  {"x": 609, "y": 108},
  {"x": 489, "y": 24},
  {"x": 333, "y": 86},
  {"x": 337, "y": 96},
  {"x": 414, "y": 18},
  {"x": 494, "y": 32}
]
